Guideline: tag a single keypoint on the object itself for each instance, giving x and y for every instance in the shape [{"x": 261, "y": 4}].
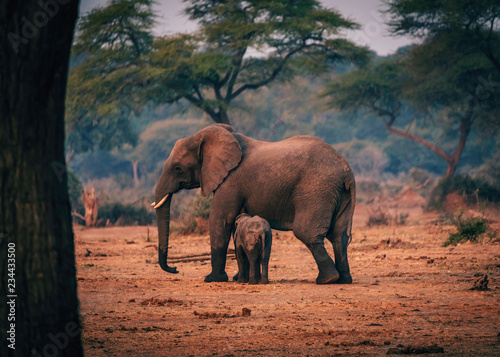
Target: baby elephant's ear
[{"x": 219, "y": 152}]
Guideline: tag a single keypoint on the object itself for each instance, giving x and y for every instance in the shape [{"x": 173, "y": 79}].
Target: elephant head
[{"x": 202, "y": 160}]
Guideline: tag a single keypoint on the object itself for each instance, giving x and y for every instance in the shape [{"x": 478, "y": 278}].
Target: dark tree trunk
[
  {"x": 465, "y": 127},
  {"x": 452, "y": 160},
  {"x": 220, "y": 117},
  {"x": 35, "y": 41}
]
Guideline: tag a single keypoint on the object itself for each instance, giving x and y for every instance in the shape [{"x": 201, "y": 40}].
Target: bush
[
  {"x": 378, "y": 218},
  {"x": 194, "y": 220},
  {"x": 400, "y": 219},
  {"x": 468, "y": 229},
  {"x": 471, "y": 189},
  {"x": 125, "y": 215}
]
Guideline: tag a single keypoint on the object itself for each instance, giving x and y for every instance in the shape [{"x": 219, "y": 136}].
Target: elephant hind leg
[
  {"x": 313, "y": 238},
  {"x": 254, "y": 277},
  {"x": 328, "y": 273},
  {"x": 340, "y": 236},
  {"x": 243, "y": 265}
]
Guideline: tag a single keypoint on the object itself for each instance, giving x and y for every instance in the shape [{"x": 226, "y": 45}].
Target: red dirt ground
[{"x": 408, "y": 290}]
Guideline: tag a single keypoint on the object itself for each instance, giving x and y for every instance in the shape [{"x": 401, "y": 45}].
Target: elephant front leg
[
  {"x": 219, "y": 242},
  {"x": 221, "y": 222},
  {"x": 218, "y": 274}
]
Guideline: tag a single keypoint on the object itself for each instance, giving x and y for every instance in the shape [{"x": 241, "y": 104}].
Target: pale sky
[{"x": 373, "y": 33}]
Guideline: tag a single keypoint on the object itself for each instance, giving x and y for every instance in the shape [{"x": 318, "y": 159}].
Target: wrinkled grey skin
[
  {"x": 253, "y": 238},
  {"x": 300, "y": 184}
]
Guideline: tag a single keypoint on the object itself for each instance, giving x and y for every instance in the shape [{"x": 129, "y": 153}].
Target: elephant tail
[{"x": 350, "y": 185}]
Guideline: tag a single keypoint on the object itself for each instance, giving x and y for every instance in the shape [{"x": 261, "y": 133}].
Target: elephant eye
[{"x": 178, "y": 169}]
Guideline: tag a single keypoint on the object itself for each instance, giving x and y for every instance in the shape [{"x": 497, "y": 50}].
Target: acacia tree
[
  {"x": 473, "y": 26},
  {"x": 106, "y": 61},
  {"x": 392, "y": 88},
  {"x": 240, "y": 46},
  {"x": 41, "y": 316},
  {"x": 451, "y": 76},
  {"x": 458, "y": 63}
]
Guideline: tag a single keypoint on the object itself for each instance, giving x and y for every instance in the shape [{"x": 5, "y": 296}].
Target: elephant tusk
[
  {"x": 153, "y": 204},
  {"x": 162, "y": 201}
]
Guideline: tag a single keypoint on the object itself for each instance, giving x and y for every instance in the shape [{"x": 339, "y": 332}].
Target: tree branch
[
  {"x": 406, "y": 134},
  {"x": 273, "y": 75},
  {"x": 421, "y": 141},
  {"x": 234, "y": 75},
  {"x": 199, "y": 103},
  {"x": 411, "y": 121},
  {"x": 381, "y": 112},
  {"x": 76, "y": 214}
]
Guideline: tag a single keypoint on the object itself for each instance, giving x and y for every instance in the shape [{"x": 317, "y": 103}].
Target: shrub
[
  {"x": 471, "y": 189},
  {"x": 194, "y": 220},
  {"x": 400, "y": 219},
  {"x": 125, "y": 214},
  {"x": 378, "y": 218},
  {"x": 468, "y": 229}
]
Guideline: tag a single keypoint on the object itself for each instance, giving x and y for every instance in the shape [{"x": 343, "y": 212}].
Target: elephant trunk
[{"x": 163, "y": 221}]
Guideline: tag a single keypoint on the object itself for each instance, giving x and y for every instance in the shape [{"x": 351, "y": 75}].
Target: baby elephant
[{"x": 252, "y": 241}]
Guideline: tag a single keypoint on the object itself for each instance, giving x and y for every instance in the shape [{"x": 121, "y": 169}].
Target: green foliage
[
  {"x": 450, "y": 78},
  {"x": 460, "y": 57},
  {"x": 125, "y": 214},
  {"x": 118, "y": 33},
  {"x": 104, "y": 83},
  {"x": 98, "y": 113},
  {"x": 471, "y": 189},
  {"x": 208, "y": 68},
  {"x": 377, "y": 87},
  {"x": 469, "y": 229},
  {"x": 430, "y": 18}
]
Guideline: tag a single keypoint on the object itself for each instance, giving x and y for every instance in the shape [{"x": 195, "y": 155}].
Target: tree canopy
[
  {"x": 119, "y": 67},
  {"x": 473, "y": 25},
  {"x": 450, "y": 78},
  {"x": 105, "y": 77}
]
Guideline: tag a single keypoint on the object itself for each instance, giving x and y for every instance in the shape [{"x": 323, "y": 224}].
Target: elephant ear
[{"x": 219, "y": 152}]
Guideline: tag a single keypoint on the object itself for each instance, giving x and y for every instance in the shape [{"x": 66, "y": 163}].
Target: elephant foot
[
  {"x": 242, "y": 281},
  {"x": 327, "y": 278},
  {"x": 344, "y": 279},
  {"x": 328, "y": 274},
  {"x": 264, "y": 281},
  {"x": 211, "y": 278},
  {"x": 253, "y": 282}
]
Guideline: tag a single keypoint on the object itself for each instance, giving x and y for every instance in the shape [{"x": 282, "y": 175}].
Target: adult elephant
[{"x": 299, "y": 184}]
